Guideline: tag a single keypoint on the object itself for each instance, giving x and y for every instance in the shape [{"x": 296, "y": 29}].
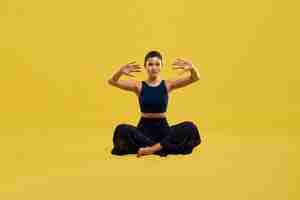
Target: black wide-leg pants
[{"x": 180, "y": 138}]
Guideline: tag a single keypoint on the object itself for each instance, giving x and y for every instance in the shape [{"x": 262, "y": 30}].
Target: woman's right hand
[{"x": 130, "y": 67}]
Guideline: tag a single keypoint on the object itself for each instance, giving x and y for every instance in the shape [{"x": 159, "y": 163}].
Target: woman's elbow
[{"x": 110, "y": 82}]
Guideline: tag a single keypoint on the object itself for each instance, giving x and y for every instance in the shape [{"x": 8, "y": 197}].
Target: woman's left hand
[{"x": 184, "y": 64}]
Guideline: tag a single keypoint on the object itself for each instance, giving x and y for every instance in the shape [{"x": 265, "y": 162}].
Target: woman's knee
[
  {"x": 190, "y": 124},
  {"x": 122, "y": 129},
  {"x": 191, "y": 128},
  {"x": 122, "y": 126},
  {"x": 194, "y": 131}
]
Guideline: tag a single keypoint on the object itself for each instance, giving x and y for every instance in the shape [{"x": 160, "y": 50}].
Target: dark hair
[{"x": 152, "y": 54}]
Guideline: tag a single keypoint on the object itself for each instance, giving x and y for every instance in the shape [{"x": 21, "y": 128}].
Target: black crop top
[{"x": 153, "y": 99}]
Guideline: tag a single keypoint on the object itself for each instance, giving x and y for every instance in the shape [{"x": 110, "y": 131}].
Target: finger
[
  {"x": 131, "y": 62},
  {"x": 186, "y": 62},
  {"x": 178, "y": 62},
  {"x": 130, "y": 75},
  {"x": 136, "y": 66},
  {"x": 183, "y": 61},
  {"x": 177, "y": 67}
]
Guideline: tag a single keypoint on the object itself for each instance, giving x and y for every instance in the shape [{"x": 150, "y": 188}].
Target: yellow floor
[{"x": 76, "y": 164}]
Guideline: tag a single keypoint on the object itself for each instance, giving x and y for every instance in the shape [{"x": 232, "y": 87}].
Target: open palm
[
  {"x": 131, "y": 67},
  {"x": 184, "y": 64}
]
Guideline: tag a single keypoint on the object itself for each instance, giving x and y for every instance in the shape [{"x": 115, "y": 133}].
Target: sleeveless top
[{"x": 153, "y": 99}]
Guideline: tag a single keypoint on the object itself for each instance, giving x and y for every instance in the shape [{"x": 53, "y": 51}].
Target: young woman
[{"x": 153, "y": 134}]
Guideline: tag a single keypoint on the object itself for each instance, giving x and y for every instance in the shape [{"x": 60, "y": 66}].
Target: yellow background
[{"x": 58, "y": 112}]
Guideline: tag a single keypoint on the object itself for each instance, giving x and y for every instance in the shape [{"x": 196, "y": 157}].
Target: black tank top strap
[
  {"x": 143, "y": 85},
  {"x": 164, "y": 86}
]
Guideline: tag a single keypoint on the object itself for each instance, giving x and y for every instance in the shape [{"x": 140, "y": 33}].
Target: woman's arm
[
  {"x": 129, "y": 85},
  {"x": 181, "y": 82}
]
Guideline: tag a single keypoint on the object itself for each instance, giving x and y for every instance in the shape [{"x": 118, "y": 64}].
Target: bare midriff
[{"x": 154, "y": 115}]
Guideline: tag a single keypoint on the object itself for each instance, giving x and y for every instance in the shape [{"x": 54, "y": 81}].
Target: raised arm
[
  {"x": 128, "y": 85},
  {"x": 182, "y": 82}
]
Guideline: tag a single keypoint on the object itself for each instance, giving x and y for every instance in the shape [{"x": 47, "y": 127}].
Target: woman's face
[{"x": 153, "y": 66}]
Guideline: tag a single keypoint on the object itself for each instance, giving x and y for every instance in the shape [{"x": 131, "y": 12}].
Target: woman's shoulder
[
  {"x": 168, "y": 85},
  {"x": 139, "y": 84}
]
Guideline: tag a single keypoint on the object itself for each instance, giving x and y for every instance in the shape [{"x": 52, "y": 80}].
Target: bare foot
[{"x": 145, "y": 151}]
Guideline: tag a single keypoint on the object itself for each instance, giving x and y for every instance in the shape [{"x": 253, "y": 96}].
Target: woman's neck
[{"x": 154, "y": 80}]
